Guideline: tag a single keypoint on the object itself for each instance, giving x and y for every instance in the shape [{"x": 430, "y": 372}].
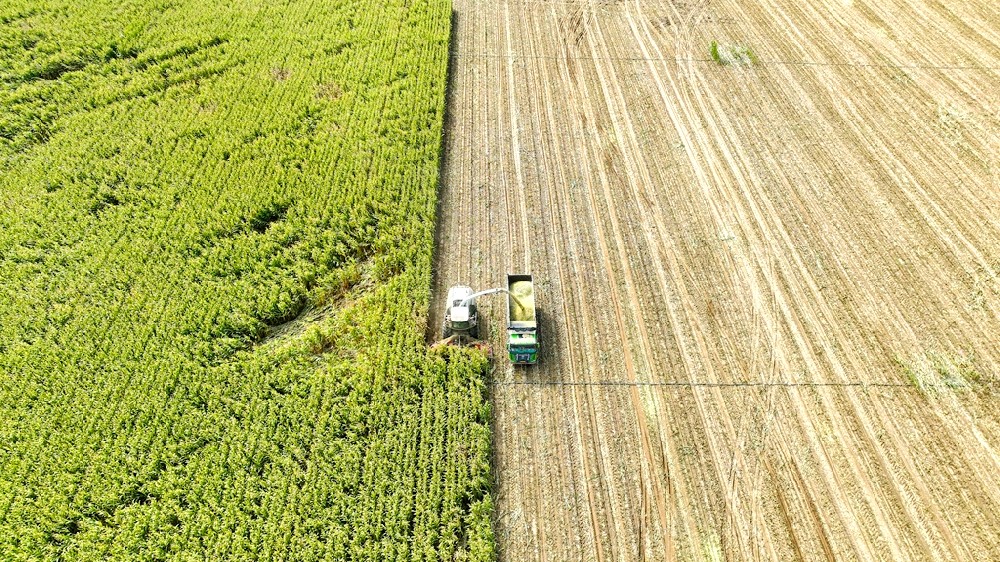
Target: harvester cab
[{"x": 461, "y": 317}]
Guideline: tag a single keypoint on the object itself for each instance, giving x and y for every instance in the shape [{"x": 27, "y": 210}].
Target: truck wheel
[
  {"x": 445, "y": 330},
  {"x": 474, "y": 332}
]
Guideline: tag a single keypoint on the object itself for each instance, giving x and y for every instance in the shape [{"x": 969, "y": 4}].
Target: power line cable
[
  {"x": 455, "y": 54},
  {"x": 735, "y": 384}
]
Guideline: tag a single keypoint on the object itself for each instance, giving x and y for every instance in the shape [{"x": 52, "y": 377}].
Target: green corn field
[{"x": 216, "y": 229}]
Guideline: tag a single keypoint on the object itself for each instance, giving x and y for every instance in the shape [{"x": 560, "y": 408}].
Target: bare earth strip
[{"x": 769, "y": 292}]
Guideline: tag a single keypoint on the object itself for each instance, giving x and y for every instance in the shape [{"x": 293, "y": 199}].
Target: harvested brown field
[{"x": 768, "y": 290}]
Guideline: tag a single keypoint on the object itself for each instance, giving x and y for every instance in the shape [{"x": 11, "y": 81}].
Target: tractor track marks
[{"x": 828, "y": 216}]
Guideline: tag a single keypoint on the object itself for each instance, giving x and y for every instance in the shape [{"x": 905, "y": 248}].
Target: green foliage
[
  {"x": 732, "y": 54},
  {"x": 934, "y": 372},
  {"x": 216, "y": 222}
]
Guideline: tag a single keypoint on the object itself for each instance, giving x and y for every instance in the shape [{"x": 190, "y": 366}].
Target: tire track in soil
[
  {"x": 626, "y": 142},
  {"x": 703, "y": 112},
  {"x": 590, "y": 415},
  {"x": 644, "y": 346},
  {"x": 737, "y": 463},
  {"x": 518, "y": 224},
  {"x": 580, "y": 413},
  {"x": 906, "y": 459},
  {"x": 748, "y": 225}
]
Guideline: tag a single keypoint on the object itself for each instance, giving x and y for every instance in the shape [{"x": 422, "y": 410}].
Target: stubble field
[{"x": 769, "y": 291}]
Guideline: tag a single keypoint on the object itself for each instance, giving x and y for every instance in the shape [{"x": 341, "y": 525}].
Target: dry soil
[{"x": 769, "y": 292}]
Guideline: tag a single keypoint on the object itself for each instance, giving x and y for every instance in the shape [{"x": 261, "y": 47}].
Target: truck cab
[{"x": 522, "y": 348}]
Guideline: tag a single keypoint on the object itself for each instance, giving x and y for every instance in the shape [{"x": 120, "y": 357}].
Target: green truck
[{"x": 522, "y": 320}]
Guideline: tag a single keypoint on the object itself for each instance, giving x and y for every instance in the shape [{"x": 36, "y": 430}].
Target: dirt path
[{"x": 744, "y": 272}]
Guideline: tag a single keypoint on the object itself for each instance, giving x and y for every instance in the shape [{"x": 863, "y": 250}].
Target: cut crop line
[
  {"x": 758, "y": 63},
  {"x": 724, "y": 384}
]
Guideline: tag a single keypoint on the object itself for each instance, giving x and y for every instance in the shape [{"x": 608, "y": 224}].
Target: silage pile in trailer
[{"x": 523, "y": 309}]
